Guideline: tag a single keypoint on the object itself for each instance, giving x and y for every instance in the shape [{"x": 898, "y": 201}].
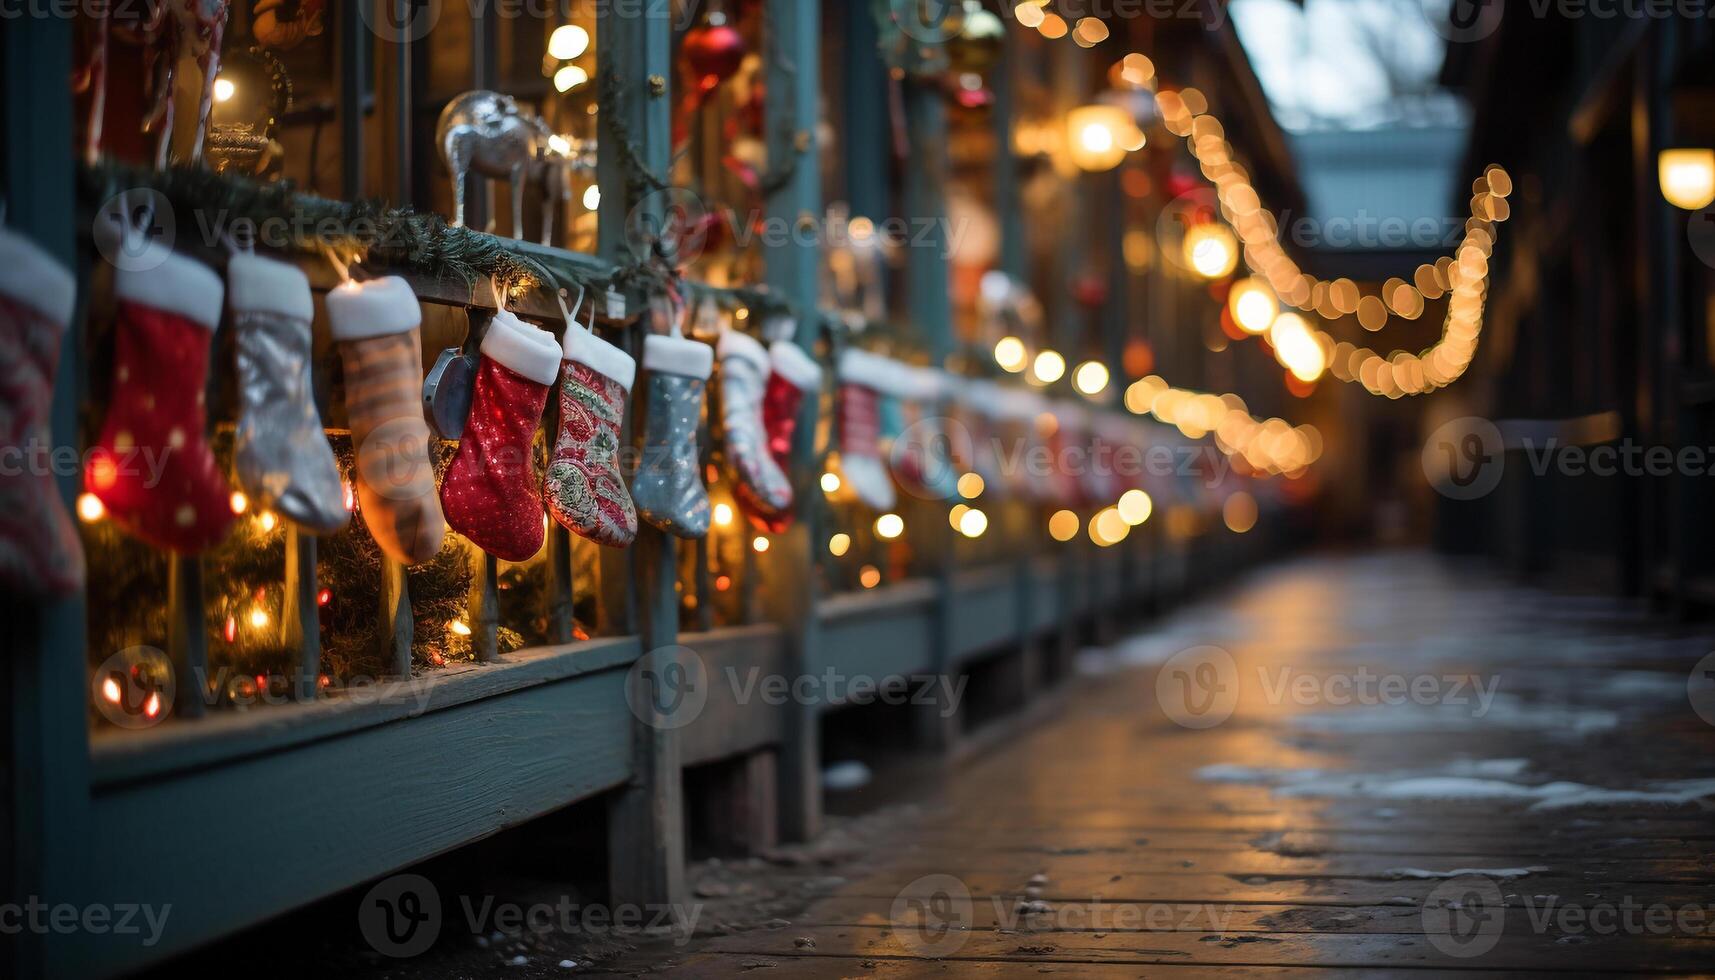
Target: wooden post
[
  {"x": 646, "y": 836},
  {"x": 397, "y": 627},
  {"x": 45, "y": 683},
  {"x": 930, "y": 306},
  {"x": 793, "y": 268},
  {"x": 300, "y": 619},
  {"x": 353, "y": 41},
  {"x": 484, "y": 605}
]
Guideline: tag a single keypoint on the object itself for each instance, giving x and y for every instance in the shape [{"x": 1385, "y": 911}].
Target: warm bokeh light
[
  {"x": 459, "y": 627},
  {"x": 592, "y": 197},
  {"x": 889, "y": 526},
  {"x": 1048, "y": 367},
  {"x": 1099, "y": 136},
  {"x": 830, "y": 483},
  {"x": 569, "y": 77},
  {"x": 567, "y": 42},
  {"x": 723, "y": 514},
  {"x": 839, "y": 544},
  {"x": 1239, "y": 512},
  {"x": 224, "y": 89},
  {"x": 869, "y": 577},
  {"x": 759, "y": 544},
  {"x": 238, "y": 502},
  {"x": 1688, "y": 177},
  {"x": 1091, "y": 377},
  {"x": 1010, "y": 354},
  {"x": 90, "y": 508},
  {"x": 1253, "y": 305},
  {"x": 1297, "y": 349},
  {"x": 1210, "y": 250},
  {"x": 1029, "y": 13},
  {"x": 973, "y": 523},
  {"x": 1135, "y": 507},
  {"x": 1063, "y": 526},
  {"x": 258, "y": 618},
  {"x": 267, "y": 521},
  {"x": 970, "y": 486},
  {"x": 1108, "y": 528}
]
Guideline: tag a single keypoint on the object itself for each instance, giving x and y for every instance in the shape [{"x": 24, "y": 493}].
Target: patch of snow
[{"x": 846, "y": 775}]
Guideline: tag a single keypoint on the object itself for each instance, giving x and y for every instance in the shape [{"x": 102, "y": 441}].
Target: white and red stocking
[
  {"x": 40, "y": 555},
  {"x": 759, "y": 484},
  {"x": 794, "y": 377},
  {"x": 151, "y": 467},
  {"x": 862, "y": 376}
]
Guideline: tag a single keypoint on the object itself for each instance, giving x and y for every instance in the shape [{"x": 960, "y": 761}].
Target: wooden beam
[
  {"x": 793, "y": 270},
  {"x": 45, "y": 733},
  {"x": 646, "y": 820}
]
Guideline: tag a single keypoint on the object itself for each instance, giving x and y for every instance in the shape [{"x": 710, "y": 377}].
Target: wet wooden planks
[{"x": 1103, "y": 845}]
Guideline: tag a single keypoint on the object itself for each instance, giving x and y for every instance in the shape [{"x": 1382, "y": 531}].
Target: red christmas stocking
[
  {"x": 152, "y": 468},
  {"x": 40, "y": 555},
  {"x": 489, "y": 494},
  {"x": 794, "y": 376},
  {"x": 862, "y": 375}
]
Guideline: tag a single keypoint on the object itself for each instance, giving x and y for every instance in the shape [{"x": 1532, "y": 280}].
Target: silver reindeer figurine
[{"x": 488, "y": 134}]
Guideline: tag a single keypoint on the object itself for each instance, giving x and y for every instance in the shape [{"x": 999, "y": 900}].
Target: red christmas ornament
[{"x": 712, "y": 53}]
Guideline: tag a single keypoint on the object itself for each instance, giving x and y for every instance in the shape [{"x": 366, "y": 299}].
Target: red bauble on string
[{"x": 713, "y": 52}]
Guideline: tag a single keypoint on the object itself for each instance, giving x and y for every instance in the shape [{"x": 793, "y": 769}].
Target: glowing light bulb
[
  {"x": 760, "y": 544},
  {"x": 1135, "y": 507},
  {"x": 567, "y": 42},
  {"x": 1253, "y": 306},
  {"x": 110, "y": 690},
  {"x": 89, "y": 508},
  {"x": 1091, "y": 377},
  {"x": 830, "y": 483},
  {"x": 1049, "y": 367},
  {"x": 1688, "y": 177},
  {"x": 569, "y": 77},
  {"x": 723, "y": 514},
  {"x": 1063, "y": 526},
  {"x": 239, "y": 502},
  {"x": 1210, "y": 250},
  {"x": 870, "y": 577},
  {"x": 889, "y": 526},
  {"x": 1010, "y": 354},
  {"x": 224, "y": 89},
  {"x": 973, "y": 523},
  {"x": 459, "y": 627},
  {"x": 258, "y": 618},
  {"x": 839, "y": 544},
  {"x": 268, "y": 521},
  {"x": 592, "y": 198}
]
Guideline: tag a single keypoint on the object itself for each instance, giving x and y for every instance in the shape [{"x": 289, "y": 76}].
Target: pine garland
[{"x": 397, "y": 239}]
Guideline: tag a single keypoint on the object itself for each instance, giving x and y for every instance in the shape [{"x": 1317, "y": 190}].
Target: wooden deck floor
[{"x": 1422, "y": 770}]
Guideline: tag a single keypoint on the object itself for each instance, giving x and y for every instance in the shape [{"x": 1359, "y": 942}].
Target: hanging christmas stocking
[
  {"x": 489, "y": 494},
  {"x": 151, "y": 466},
  {"x": 586, "y": 492},
  {"x": 668, "y": 490},
  {"x": 375, "y": 325},
  {"x": 40, "y": 556},
  {"x": 862, "y": 376},
  {"x": 793, "y": 377},
  {"x": 283, "y": 458},
  {"x": 919, "y": 446},
  {"x": 759, "y": 485}
]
